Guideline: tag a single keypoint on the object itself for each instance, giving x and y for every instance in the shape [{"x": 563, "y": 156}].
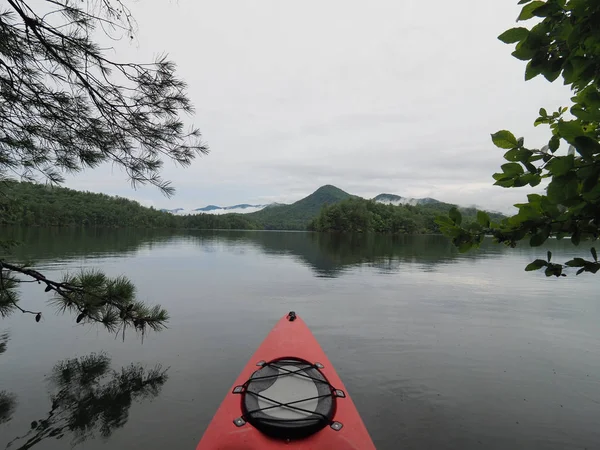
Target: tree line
[
  {"x": 31, "y": 204},
  {"x": 358, "y": 215}
]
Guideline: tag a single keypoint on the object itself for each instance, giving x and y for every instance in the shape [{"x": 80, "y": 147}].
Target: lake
[{"x": 438, "y": 349}]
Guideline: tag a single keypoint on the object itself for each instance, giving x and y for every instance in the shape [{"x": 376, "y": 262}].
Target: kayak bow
[{"x": 288, "y": 394}]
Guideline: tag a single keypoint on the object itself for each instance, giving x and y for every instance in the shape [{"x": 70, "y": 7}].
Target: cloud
[{"x": 384, "y": 96}]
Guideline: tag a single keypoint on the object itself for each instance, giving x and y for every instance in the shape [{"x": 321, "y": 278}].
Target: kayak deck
[{"x": 308, "y": 397}]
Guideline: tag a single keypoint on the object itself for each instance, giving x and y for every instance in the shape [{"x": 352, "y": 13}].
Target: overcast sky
[{"x": 395, "y": 96}]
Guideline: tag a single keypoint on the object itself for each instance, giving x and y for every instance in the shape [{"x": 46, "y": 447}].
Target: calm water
[{"x": 439, "y": 350}]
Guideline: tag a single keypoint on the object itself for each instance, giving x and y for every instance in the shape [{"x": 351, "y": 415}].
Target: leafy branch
[
  {"x": 565, "y": 42},
  {"x": 471, "y": 236}
]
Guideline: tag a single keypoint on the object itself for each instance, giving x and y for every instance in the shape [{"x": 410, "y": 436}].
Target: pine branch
[
  {"x": 94, "y": 297},
  {"x": 63, "y": 109}
]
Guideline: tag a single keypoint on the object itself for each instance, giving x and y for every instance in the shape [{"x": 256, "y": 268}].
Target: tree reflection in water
[
  {"x": 88, "y": 399},
  {"x": 8, "y": 401}
]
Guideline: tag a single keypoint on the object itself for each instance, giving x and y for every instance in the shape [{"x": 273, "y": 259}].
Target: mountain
[
  {"x": 391, "y": 199},
  {"x": 208, "y": 208},
  {"x": 297, "y": 215},
  {"x": 172, "y": 211},
  {"x": 243, "y": 208},
  {"x": 32, "y": 204}
]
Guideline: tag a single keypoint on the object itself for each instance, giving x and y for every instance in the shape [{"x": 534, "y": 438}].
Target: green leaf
[
  {"x": 554, "y": 143},
  {"x": 549, "y": 208},
  {"x": 518, "y": 154},
  {"x": 455, "y": 215},
  {"x": 500, "y": 176},
  {"x": 536, "y": 265},
  {"x": 444, "y": 220},
  {"x": 594, "y": 254},
  {"x": 523, "y": 52},
  {"x": 514, "y": 35},
  {"x": 576, "y": 238},
  {"x": 581, "y": 113},
  {"x": 512, "y": 169},
  {"x": 535, "y": 180},
  {"x": 587, "y": 147},
  {"x": 532, "y": 70},
  {"x": 570, "y": 129},
  {"x": 549, "y": 255},
  {"x": 504, "y": 139},
  {"x": 538, "y": 239},
  {"x": 561, "y": 165},
  {"x": 534, "y": 198},
  {"x": 580, "y": 271},
  {"x": 465, "y": 246},
  {"x": 528, "y": 10},
  {"x": 512, "y": 155},
  {"x": 505, "y": 183},
  {"x": 520, "y": 181},
  {"x": 483, "y": 219},
  {"x": 562, "y": 188},
  {"x": 531, "y": 168},
  {"x": 546, "y": 10}
]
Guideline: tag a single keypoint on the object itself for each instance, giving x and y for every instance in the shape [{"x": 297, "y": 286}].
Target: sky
[{"x": 394, "y": 96}]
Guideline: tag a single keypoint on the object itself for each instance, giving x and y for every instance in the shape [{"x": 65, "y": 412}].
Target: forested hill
[
  {"x": 43, "y": 205},
  {"x": 360, "y": 215},
  {"x": 327, "y": 209},
  {"x": 297, "y": 215},
  {"x": 32, "y": 204}
]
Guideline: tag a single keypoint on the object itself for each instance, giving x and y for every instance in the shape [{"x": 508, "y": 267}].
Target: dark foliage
[
  {"x": 65, "y": 105},
  {"x": 358, "y": 215}
]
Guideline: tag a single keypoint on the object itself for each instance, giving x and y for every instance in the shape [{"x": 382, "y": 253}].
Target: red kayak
[{"x": 287, "y": 396}]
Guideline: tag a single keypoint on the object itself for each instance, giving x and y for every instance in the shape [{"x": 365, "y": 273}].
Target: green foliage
[
  {"x": 565, "y": 42},
  {"x": 32, "y": 204},
  {"x": 357, "y": 215}
]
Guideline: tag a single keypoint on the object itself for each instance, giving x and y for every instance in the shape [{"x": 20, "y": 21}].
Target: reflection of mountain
[
  {"x": 329, "y": 255},
  {"x": 326, "y": 254},
  {"x": 88, "y": 398}
]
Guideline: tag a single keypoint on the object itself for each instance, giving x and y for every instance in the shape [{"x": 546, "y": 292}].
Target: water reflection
[
  {"x": 4, "y": 338},
  {"x": 8, "y": 401},
  {"x": 328, "y": 255},
  {"x": 51, "y": 243},
  {"x": 88, "y": 399}
]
